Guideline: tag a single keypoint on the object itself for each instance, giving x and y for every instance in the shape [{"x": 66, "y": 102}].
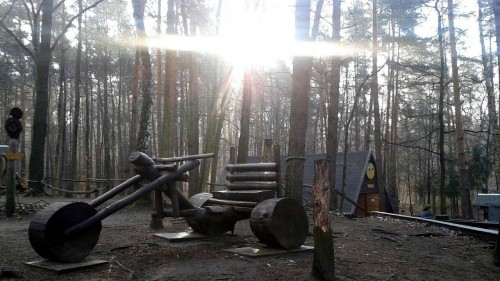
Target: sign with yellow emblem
[{"x": 370, "y": 171}]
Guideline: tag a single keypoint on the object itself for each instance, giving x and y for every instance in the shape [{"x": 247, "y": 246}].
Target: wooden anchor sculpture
[{"x": 68, "y": 231}]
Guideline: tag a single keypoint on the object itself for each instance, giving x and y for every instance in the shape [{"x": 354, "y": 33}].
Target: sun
[{"x": 256, "y": 35}]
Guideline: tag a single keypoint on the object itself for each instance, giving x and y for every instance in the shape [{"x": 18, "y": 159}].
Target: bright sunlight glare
[
  {"x": 252, "y": 35},
  {"x": 250, "y": 51}
]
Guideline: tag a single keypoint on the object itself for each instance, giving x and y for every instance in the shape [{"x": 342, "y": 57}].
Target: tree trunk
[
  {"x": 167, "y": 140},
  {"x": 39, "y": 129},
  {"x": 22, "y": 105},
  {"x": 442, "y": 74},
  {"x": 333, "y": 108},
  {"x": 493, "y": 128},
  {"x": 323, "y": 259},
  {"x": 211, "y": 144},
  {"x": 88, "y": 132},
  {"x": 392, "y": 128},
  {"x": 496, "y": 12},
  {"x": 246, "y": 105},
  {"x": 60, "y": 151},
  {"x": 299, "y": 105},
  {"x": 134, "y": 103},
  {"x": 144, "y": 137},
  {"x": 464, "y": 186},
  {"x": 392, "y": 167},
  {"x": 76, "y": 116},
  {"x": 159, "y": 93},
  {"x": 376, "y": 110},
  {"x": 193, "y": 133},
  {"x": 106, "y": 129}
]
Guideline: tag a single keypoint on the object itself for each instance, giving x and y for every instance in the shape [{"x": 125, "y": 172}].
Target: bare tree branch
[
  {"x": 58, "y": 5},
  {"x": 70, "y": 23},
  {"x": 18, "y": 41}
]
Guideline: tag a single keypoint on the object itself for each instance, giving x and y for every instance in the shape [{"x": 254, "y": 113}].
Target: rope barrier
[
  {"x": 95, "y": 190},
  {"x": 87, "y": 180}
]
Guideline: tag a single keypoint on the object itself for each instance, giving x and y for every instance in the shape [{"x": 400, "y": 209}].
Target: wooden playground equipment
[{"x": 68, "y": 231}]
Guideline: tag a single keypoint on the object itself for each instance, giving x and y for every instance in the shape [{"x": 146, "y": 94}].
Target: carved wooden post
[
  {"x": 323, "y": 261},
  {"x": 13, "y": 128}
]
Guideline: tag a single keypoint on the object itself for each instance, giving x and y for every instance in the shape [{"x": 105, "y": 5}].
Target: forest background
[{"x": 416, "y": 81}]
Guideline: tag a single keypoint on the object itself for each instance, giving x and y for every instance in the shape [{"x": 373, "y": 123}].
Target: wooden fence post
[
  {"x": 267, "y": 151},
  {"x": 323, "y": 260},
  {"x": 232, "y": 155}
]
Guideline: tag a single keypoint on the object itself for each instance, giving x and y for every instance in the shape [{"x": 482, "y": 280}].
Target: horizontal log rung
[
  {"x": 252, "y": 167},
  {"x": 252, "y": 186},
  {"x": 252, "y": 177}
]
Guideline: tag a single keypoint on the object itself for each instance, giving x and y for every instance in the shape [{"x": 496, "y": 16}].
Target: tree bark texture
[
  {"x": 134, "y": 103},
  {"x": 299, "y": 106},
  {"x": 43, "y": 56},
  {"x": 193, "y": 133},
  {"x": 168, "y": 139},
  {"x": 323, "y": 259},
  {"x": 442, "y": 73},
  {"x": 496, "y": 12},
  {"x": 464, "y": 186},
  {"x": 246, "y": 105},
  {"x": 144, "y": 136},
  {"x": 376, "y": 110},
  {"x": 76, "y": 116},
  {"x": 333, "y": 108},
  {"x": 159, "y": 93},
  {"x": 280, "y": 222}
]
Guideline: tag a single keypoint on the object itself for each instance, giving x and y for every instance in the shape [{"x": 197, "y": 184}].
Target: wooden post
[
  {"x": 13, "y": 127},
  {"x": 277, "y": 160},
  {"x": 157, "y": 218},
  {"x": 232, "y": 155},
  {"x": 10, "y": 204},
  {"x": 266, "y": 153},
  {"x": 323, "y": 260},
  {"x": 174, "y": 197}
]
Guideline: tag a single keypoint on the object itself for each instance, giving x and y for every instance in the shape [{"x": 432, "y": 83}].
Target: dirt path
[{"x": 372, "y": 248}]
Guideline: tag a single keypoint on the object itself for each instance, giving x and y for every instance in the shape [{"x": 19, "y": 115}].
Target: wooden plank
[{"x": 65, "y": 267}]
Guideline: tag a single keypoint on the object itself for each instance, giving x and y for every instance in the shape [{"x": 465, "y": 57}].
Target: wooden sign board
[{"x": 13, "y": 155}]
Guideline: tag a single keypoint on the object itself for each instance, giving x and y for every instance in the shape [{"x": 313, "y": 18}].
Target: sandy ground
[{"x": 373, "y": 248}]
